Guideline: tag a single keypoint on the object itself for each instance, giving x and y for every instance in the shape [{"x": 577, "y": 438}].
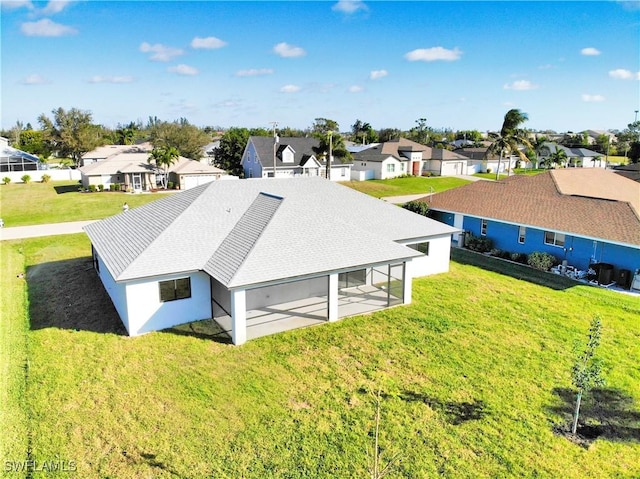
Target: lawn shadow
[
  {"x": 68, "y": 294},
  {"x": 66, "y": 189},
  {"x": 513, "y": 269},
  {"x": 454, "y": 412},
  {"x": 204, "y": 329},
  {"x": 605, "y": 413}
]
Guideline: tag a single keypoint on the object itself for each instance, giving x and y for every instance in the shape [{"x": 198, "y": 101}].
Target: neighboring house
[
  {"x": 443, "y": 162},
  {"x": 583, "y": 216},
  {"x": 287, "y": 157},
  {"x": 390, "y": 159},
  {"x": 263, "y": 255},
  {"x": 576, "y": 157},
  {"x": 12, "y": 159},
  {"x": 480, "y": 162},
  {"x": 130, "y": 168}
]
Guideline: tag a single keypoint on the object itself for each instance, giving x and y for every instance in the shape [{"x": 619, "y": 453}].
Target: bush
[
  {"x": 488, "y": 170},
  {"x": 26, "y": 179},
  {"x": 100, "y": 187},
  {"x": 479, "y": 244},
  {"x": 6, "y": 180},
  {"x": 46, "y": 178},
  {"x": 170, "y": 185},
  {"x": 118, "y": 187},
  {"x": 542, "y": 261},
  {"x": 427, "y": 173},
  {"x": 112, "y": 187},
  {"x": 92, "y": 188},
  {"x": 519, "y": 258},
  {"x": 419, "y": 207}
]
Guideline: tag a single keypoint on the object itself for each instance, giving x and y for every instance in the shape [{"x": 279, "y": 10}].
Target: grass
[
  {"x": 474, "y": 378},
  {"x": 411, "y": 185},
  {"x": 59, "y": 201}
]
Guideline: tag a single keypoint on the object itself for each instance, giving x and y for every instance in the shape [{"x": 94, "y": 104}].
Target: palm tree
[
  {"x": 164, "y": 157},
  {"x": 558, "y": 157},
  {"x": 510, "y": 138}
]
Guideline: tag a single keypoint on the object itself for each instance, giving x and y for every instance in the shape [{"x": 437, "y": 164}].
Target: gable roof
[
  {"x": 136, "y": 161},
  {"x": 255, "y": 231},
  {"x": 571, "y": 152},
  {"x": 593, "y": 203}
]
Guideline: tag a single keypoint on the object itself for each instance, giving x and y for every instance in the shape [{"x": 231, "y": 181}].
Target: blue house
[{"x": 583, "y": 216}]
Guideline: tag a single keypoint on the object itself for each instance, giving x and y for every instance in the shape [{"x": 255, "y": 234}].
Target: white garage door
[{"x": 196, "y": 180}]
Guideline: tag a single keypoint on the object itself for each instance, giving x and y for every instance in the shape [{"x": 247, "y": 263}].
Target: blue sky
[{"x": 569, "y": 65}]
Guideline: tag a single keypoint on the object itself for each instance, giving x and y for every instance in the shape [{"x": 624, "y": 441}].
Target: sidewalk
[{"x": 18, "y": 232}]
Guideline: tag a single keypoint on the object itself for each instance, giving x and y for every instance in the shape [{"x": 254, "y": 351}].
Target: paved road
[{"x": 18, "y": 232}]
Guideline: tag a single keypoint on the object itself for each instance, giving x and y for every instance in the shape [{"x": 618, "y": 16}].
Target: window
[
  {"x": 344, "y": 171},
  {"x": 422, "y": 247},
  {"x": 391, "y": 168},
  {"x": 483, "y": 228},
  {"x": 555, "y": 239},
  {"x": 96, "y": 263},
  {"x": 175, "y": 289},
  {"x": 522, "y": 234}
]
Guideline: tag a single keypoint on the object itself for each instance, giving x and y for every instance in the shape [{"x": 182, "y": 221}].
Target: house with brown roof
[{"x": 583, "y": 216}]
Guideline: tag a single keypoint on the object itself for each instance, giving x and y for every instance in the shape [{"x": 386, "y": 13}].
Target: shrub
[
  {"x": 26, "y": 179},
  {"x": 92, "y": 188},
  {"x": 100, "y": 187},
  {"x": 479, "y": 244},
  {"x": 427, "y": 173},
  {"x": 488, "y": 170},
  {"x": 170, "y": 185},
  {"x": 519, "y": 258},
  {"x": 6, "y": 180},
  {"x": 419, "y": 207},
  {"x": 118, "y": 187},
  {"x": 46, "y": 178},
  {"x": 112, "y": 187},
  {"x": 542, "y": 261},
  {"x": 496, "y": 252}
]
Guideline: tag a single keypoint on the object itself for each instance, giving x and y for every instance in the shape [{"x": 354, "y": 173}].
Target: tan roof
[
  {"x": 593, "y": 203},
  {"x": 138, "y": 162},
  {"x": 191, "y": 167},
  {"x": 402, "y": 144}
]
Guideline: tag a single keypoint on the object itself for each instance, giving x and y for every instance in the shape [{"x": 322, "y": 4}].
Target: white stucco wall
[
  {"x": 282, "y": 293},
  {"x": 436, "y": 262},
  {"x": 117, "y": 293},
  {"x": 147, "y": 313}
]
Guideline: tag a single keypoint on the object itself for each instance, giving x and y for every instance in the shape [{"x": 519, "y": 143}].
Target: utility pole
[
  {"x": 328, "y": 172},
  {"x": 274, "y": 124}
]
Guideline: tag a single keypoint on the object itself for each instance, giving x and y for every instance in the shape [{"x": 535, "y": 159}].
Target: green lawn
[
  {"x": 411, "y": 185},
  {"x": 474, "y": 378},
  {"x": 59, "y": 201}
]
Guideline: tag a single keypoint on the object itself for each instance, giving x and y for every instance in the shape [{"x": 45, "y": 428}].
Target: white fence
[{"x": 36, "y": 175}]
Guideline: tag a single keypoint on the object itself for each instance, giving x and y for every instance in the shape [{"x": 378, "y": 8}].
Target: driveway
[{"x": 18, "y": 232}]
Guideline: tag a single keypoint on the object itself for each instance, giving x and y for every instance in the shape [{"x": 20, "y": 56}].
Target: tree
[
  {"x": 186, "y": 138},
  {"x": 363, "y": 132},
  {"x": 587, "y": 370},
  {"x": 70, "y": 133},
  {"x": 629, "y": 141},
  {"x": 228, "y": 155},
  {"x": 558, "y": 157},
  {"x": 420, "y": 133},
  {"x": 32, "y": 141},
  {"x": 127, "y": 134},
  {"x": 322, "y": 126},
  {"x": 510, "y": 138},
  {"x": 388, "y": 134},
  {"x": 419, "y": 207},
  {"x": 163, "y": 157}
]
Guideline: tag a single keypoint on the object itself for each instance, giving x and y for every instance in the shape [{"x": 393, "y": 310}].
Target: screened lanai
[{"x": 12, "y": 159}]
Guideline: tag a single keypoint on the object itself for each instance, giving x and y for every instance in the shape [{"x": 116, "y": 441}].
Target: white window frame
[
  {"x": 522, "y": 234},
  {"x": 483, "y": 227},
  {"x": 558, "y": 239}
]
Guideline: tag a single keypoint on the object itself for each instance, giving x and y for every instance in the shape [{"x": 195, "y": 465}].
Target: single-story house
[
  {"x": 481, "y": 162},
  {"x": 287, "y": 157},
  {"x": 443, "y": 162},
  {"x": 576, "y": 157},
  {"x": 260, "y": 254},
  {"x": 583, "y": 216},
  {"x": 390, "y": 159},
  {"x": 104, "y": 152},
  {"x": 131, "y": 169}
]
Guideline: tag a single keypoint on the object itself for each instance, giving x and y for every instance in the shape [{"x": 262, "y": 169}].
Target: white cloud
[
  {"x": 160, "y": 52},
  {"x": 288, "y": 51},
  {"x": 15, "y": 4},
  {"x": 110, "y": 79},
  {"x": 547, "y": 66},
  {"x": 254, "y": 72},
  {"x": 592, "y": 98},
  {"x": 54, "y": 6},
  {"x": 35, "y": 79},
  {"x": 622, "y": 74},
  {"x": 590, "y": 52},
  {"x": 290, "y": 89},
  {"x": 349, "y": 6},
  {"x": 433, "y": 54},
  {"x": 520, "y": 85},
  {"x": 183, "y": 69},
  {"x": 355, "y": 89},
  {"x": 46, "y": 28},
  {"x": 208, "y": 43},
  {"x": 377, "y": 74}
]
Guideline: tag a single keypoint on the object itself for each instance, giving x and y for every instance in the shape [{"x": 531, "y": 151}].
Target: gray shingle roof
[{"x": 241, "y": 235}]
